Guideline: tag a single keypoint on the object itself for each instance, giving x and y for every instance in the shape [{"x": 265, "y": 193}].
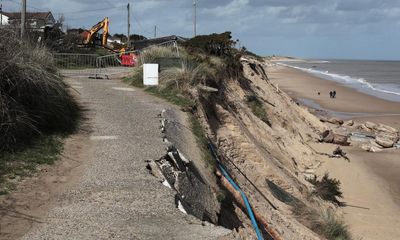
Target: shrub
[
  {"x": 33, "y": 97},
  {"x": 220, "y": 45},
  {"x": 327, "y": 188},
  {"x": 214, "y": 44}
]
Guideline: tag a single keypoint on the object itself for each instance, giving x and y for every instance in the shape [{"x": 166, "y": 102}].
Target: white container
[{"x": 150, "y": 74}]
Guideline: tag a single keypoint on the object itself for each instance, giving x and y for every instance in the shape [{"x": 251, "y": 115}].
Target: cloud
[{"x": 253, "y": 21}]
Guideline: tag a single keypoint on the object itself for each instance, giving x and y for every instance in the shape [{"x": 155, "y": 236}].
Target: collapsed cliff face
[{"x": 269, "y": 148}]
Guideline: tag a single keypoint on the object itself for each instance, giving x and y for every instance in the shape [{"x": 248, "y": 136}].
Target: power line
[
  {"x": 91, "y": 10},
  {"x": 161, "y": 31},
  {"x": 29, "y": 6},
  {"x": 140, "y": 25},
  {"x": 194, "y": 17},
  {"x": 108, "y": 2}
]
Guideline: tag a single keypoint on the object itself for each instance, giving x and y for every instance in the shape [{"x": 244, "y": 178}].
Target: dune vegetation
[{"x": 36, "y": 106}]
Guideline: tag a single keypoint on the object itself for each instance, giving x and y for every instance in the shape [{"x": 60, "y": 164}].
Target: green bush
[{"x": 214, "y": 44}]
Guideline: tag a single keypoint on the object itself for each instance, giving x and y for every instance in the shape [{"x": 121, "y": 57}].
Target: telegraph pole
[
  {"x": 23, "y": 14},
  {"x": 194, "y": 17},
  {"x": 129, "y": 25},
  {"x": 155, "y": 31},
  {"x": 1, "y": 13}
]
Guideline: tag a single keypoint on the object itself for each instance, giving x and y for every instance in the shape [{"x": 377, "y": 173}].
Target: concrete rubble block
[
  {"x": 332, "y": 120},
  {"x": 386, "y": 140},
  {"x": 370, "y": 125},
  {"x": 349, "y": 123},
  {"x": 386, "y": 129},
  {"x": 327, "y": 136},
  {"x": 155, "y": 170},
  {"x": 361, "y": 137},
  {"x": 363, "y": 128},
  {"x": 371, "y": 147},
  {"x": 330, "y": 137}
]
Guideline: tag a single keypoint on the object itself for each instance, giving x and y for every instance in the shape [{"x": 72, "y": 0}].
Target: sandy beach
[
  {"x": 348, "y": 104},
  {"x": 370, "y": 181}
]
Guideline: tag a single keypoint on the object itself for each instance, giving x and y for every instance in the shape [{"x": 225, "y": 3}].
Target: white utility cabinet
[{"x": 150, "y": 74}]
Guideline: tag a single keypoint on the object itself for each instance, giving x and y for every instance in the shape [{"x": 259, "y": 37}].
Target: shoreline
[
  {"x": 349, "y": 103},
  {"x": 370, "y": 181}
]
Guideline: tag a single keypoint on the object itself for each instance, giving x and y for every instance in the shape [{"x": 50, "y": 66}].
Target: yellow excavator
[{"x": 89, "y": 37}]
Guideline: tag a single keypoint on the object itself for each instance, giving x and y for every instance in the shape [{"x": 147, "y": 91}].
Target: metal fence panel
[{"x": 95, "y": 66}]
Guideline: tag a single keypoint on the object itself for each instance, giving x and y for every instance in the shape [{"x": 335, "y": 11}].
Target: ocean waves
[{"x": 358, "y": 83}]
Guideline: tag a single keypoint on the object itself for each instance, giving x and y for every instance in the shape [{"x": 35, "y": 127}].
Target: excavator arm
[{"x": 93, "y": 31}]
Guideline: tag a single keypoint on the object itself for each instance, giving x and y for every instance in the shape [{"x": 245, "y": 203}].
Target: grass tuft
[
  {"x": 257, "y": 107},
  {"x": 171, "y": 95},
  {"x": 154, "y": 54},
  {"x": 136, "y": 77},
  {"x": 202, "y": 141},
  {"x": 33, "y": 97},
  {"x": 322, "y": 221}
]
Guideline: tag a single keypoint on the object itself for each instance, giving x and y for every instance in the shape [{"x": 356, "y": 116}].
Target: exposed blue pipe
[{"x": 237, "y": 188}]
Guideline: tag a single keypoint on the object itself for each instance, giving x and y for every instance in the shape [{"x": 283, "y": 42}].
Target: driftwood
[
  {"x": 340, "y": 153},
  {"x": 237, "y": 197}
]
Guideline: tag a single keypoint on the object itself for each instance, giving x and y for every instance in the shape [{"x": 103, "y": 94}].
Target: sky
[{"x": 320, "y": 29}]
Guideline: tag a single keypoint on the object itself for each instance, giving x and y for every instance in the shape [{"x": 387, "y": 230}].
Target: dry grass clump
[
  {"x": 190, "y": 73},
  {"x": 33, "y": 97},
  {"x": 320, "y": 219},
  {"x": 181, "y": 75},
  {"x": 153, "y": 54},
  {"x": 323, "y": 221}
]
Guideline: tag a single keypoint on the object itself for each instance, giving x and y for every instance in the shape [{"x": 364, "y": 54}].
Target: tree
[
  {"x": 136, "y": 37},
  {"x": 120, "y": 36}
]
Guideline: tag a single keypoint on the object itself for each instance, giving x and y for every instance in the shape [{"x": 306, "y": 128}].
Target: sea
[{"x": 377, "y": 78}]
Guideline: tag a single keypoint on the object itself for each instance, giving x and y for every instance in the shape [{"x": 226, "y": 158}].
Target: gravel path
[{"x": 116, "y": 198}]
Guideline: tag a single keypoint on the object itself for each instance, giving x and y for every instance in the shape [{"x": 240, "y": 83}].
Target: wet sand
[
  {"x": 371, "y": 181},
  {"x": 349, "y": 103}
]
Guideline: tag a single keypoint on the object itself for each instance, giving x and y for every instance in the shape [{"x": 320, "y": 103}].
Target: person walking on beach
[
  {"x": 330, "y": 94},
  {"x": 334, "y": 94}
]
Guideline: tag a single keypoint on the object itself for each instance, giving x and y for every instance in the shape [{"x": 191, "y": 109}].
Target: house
[{"x": 35, "y": 21}]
